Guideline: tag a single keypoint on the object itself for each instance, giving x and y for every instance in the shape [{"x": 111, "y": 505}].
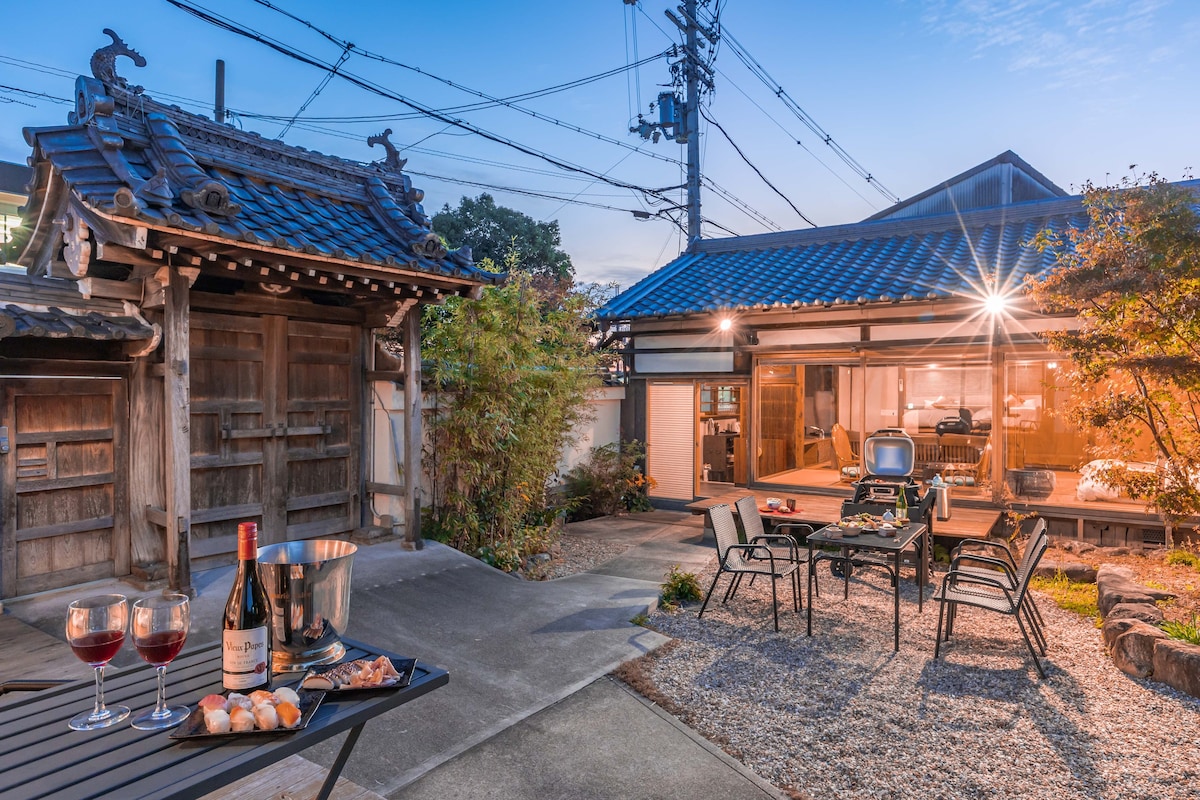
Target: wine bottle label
[{"x": 244, "y": 658}]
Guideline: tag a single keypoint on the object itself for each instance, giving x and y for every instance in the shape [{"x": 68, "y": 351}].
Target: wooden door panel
[{"x": 64, "y": 521}]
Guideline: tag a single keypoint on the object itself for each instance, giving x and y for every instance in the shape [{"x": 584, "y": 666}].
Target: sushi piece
[
  {"x": 288, "y": 713},
  {"x": 213, "y": 702},
  {"x": 216, "y": 721},
  {"x": 265, "y": 718},
  {"x": 318, "y": 682},
  {"x": 285, "y": 694},
  {"x": 241, "y": 720},
  {"x": 260, "y": 696},
  {"x": 238, "y": 699}
]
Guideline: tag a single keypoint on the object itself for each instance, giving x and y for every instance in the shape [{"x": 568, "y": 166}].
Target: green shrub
[
  {"x": 679, "y": 588},
  {"x": 609, "y": 481},
  {"x": 1070, "y": 595},
  {"x": 1186, "y": 631},
  {"x": 1184, "y": 558}
]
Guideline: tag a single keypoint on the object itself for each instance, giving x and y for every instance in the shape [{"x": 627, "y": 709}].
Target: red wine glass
[
  {"x": 96, "y": 631},
  {"x": 160, "y": 627}
]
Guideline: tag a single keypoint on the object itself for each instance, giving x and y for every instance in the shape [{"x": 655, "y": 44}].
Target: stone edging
[{"x": 1137, "y": 645}]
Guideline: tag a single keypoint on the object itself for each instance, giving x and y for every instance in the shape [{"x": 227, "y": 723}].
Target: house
[
  {"x": 766, "y": 360},
  {"x": 191, "y": 341}
]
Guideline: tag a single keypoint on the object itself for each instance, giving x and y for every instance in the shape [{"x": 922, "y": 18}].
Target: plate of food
[
  {"x": 360, "y": 674},
  {"x": 261, "y": 712}
]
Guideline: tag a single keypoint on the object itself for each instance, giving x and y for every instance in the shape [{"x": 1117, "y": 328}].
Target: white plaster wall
[{"x": 387, "y": 440}]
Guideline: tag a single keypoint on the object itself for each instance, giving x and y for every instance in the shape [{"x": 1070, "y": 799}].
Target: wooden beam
[
  {"x": 116, "y": 290},
  {"x": 412, "y": 429},
  {"x": 176, "y": 426}
]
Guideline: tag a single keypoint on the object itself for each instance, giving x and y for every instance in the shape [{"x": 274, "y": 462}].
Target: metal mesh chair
[
  {"x": 738, "y": 560},
  {"x": 995, "y": 560},
  {"x": 785, "y": 541},
  {"x": 995, "y": 592}
]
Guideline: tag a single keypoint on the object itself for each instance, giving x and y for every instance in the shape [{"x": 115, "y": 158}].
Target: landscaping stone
[
  {"x": 1112, "y": 628},
  {"x": 1133, "y": 650},
  {"x": 1074, "y": 571},
  {"x": 1145, "y": 612},
  {"x": 1177, "y": 664},
  {"x": 1078, "y": 548},
  {"x": 1117, "y": 585}
]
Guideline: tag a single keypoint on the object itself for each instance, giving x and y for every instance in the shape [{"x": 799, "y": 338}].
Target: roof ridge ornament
[
  {"x": 104, "y": 62},
  {"x": 393, "y": 162}
]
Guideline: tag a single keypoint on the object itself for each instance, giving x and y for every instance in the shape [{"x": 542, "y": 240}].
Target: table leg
[
  {"x": 896, "y": 596},
  {"x": 811, "y": 567},
  {"x": 923, "y": 569},
  {"x": 846, "y": 573},
  {"x": 342, "y": 757}
]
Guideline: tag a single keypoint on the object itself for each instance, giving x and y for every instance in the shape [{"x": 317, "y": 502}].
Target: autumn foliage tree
[{"x": 1133, "y": 278}]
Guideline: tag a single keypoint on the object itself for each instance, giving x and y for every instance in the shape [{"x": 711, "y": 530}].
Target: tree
[
  {"x": 1133, "y": 278},
  {"x": 502, "y": 234},
  {"x": 513, "y": 372}
]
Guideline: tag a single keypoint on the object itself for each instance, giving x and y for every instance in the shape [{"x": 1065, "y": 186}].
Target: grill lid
[{"x": 889, "y": 453}]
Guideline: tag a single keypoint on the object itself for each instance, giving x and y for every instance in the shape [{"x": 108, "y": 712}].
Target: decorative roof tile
[{"x": 933, "y": 257}]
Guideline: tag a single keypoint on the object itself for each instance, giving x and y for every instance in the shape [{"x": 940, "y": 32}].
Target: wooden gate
[
  {"x": 63, "y": 510},
  {"x": 275, "y": 429}
]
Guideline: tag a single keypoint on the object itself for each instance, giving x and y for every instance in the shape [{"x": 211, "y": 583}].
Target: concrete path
[{"x": 527, "y": 662}]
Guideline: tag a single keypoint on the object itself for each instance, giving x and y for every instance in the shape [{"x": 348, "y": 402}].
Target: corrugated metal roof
[{"x": 885, "y": 261}]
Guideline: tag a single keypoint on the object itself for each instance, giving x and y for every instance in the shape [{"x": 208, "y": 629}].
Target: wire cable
[{"x": 757, "y": 171}]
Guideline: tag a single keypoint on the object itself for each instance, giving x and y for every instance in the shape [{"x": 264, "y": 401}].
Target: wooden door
[
  {"x": 63, "y": 508},
  {"x": 275, "y": 429}
]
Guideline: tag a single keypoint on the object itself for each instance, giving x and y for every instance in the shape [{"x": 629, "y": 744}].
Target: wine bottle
[
  {"x": 902, "y": 505},
  {"x": 246, "y": 638}
]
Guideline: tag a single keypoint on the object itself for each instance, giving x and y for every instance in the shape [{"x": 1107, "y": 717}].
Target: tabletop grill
[{"x": 888, "y": 461}]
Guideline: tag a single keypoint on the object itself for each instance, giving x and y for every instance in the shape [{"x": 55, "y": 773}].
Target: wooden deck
[{"x": 822, "y": 509}]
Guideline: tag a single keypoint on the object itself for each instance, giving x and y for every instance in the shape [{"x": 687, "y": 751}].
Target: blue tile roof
[
  {"x": 922, "y": 258},
  {"x": 171, "y": 170}
]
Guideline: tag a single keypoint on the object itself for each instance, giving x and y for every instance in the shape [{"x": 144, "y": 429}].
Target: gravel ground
[
  {"x": 576, "y": 553},
  {"x": 840, "y": 715}
]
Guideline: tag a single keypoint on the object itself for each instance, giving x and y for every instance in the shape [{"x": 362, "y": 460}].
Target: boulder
[
  {"x": 1133, "y": 650},
  {"x": 1145, "y": 612},
  {"x": 1177, "y": 664},
  {"x": 1113, "y": 628},
  {"x": 1074, "y": 571},
  {"x": 1076, "y": 547},
  {"x": 1117, "y": 585}
]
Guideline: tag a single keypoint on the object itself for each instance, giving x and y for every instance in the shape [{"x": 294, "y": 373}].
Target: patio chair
[
  {"x": 995, "y": 560},
  {"x": 998, "y": 593},
  {"x": 848, "y": 469},
  {"x": 785, "y": 541},
  {"x": 739, "y": 560}
]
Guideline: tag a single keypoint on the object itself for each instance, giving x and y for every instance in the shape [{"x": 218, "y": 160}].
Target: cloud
[{"x": 1070, "y": 43}]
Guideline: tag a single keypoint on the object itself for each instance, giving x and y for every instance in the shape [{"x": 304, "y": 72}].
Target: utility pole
[{"x": 691, "y": 74}]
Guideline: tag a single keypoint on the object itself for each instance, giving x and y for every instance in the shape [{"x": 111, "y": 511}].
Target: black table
[
  {"x": 832, "y": 535},
  {"x": 42, "y": 758}
]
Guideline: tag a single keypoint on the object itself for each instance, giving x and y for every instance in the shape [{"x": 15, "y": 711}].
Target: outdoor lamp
[{"x": 725, "y": 324}]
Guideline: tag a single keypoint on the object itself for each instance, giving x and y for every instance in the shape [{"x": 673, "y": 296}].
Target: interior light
[
  {"x": 1052, "y": 365},
  {"x": 726, "y": 324}
]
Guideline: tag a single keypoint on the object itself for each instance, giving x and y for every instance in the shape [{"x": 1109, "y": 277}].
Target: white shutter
[{"x": 670, "y": 440}]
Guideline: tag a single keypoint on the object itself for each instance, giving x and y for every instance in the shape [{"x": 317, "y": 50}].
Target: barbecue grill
[{"x": 888, "y": 461}]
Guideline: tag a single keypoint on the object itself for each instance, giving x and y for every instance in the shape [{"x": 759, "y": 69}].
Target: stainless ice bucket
[{"x": 308, "y": 583}]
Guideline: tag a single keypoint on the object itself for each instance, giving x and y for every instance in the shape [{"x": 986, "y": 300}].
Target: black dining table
[
  {"x": 888, "y": 549},
  {"x": 42, "y": 759}
]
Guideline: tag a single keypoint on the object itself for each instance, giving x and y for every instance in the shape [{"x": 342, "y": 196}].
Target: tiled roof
[
  {"x": 884, "y": 261},
  {"x": 56, "y": 323},
  {"x": 126, "y": 156}
]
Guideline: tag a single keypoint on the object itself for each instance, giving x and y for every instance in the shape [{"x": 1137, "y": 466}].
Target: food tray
[
  {"x": 405, "y": 666},
  {"x": 193, "y": 726}
]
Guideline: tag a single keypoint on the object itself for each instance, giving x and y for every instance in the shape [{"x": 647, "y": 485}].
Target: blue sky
[{"x": 914, "y": 90}]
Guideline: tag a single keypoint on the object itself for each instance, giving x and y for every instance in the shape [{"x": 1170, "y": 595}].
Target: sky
[{"x": 914, "y": 91}]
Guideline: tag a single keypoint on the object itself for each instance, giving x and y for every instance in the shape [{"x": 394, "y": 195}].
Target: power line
[
  {"x": 757, "y": 171},
  {"x": 761, "y": 73},
  {"x": 381, "y": 91}
]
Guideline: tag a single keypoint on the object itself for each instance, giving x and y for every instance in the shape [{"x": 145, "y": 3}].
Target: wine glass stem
[
  {"x": 160, "y": 708},
  {"x": 98, "y": 709}
]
